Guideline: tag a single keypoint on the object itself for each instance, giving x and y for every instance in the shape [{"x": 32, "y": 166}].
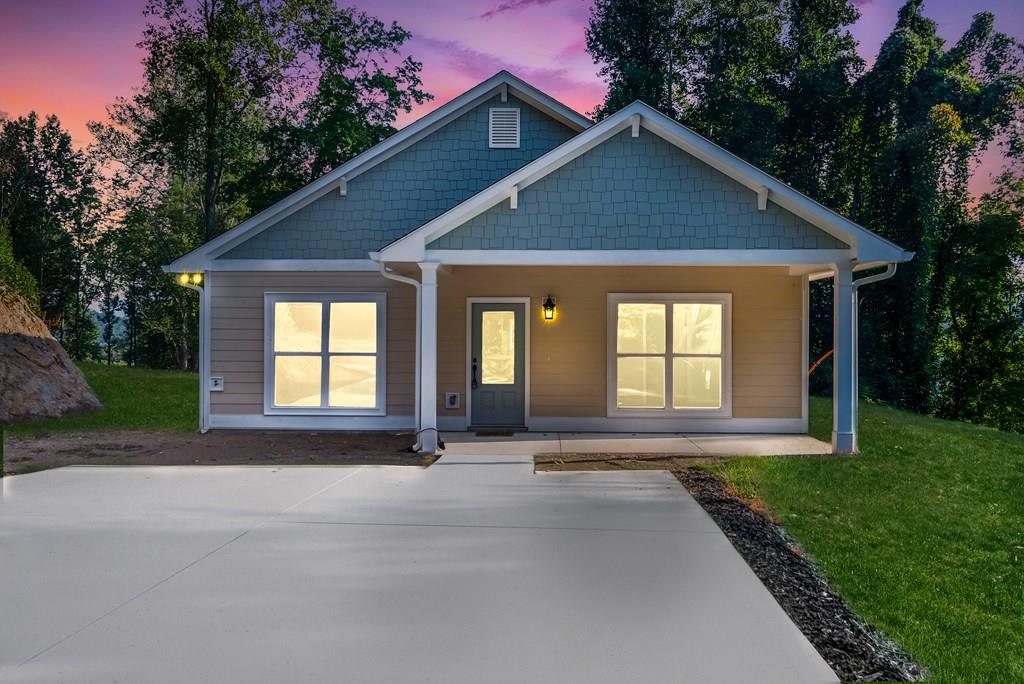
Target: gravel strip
[{"x": 854, "y": 649}]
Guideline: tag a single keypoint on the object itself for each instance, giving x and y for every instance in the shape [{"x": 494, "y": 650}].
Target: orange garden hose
[{"x": 820, "y": 361}]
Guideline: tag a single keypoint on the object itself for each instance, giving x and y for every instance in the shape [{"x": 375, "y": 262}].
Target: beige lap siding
[
  {"x": 568, "y": 365},
  {"x": 236, "y": 348}
]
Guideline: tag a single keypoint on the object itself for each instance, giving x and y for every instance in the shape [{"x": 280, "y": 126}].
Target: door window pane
[
  {"x": 697, "y": 328},
  {"x": 641, "y": 329},
  {"x": 297, "y": 381},
  {"x": 498, "y": 348},
  {"x": 297, "y": 327},
  {"x": 353, "y": 381},
  {"x": 353, "y": 327},
  {"x": 697, "y": 382},
  {"x": 641, "y": 382}
]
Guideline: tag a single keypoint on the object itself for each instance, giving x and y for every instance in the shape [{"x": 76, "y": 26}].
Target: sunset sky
[{"x": 72, "y": 57}]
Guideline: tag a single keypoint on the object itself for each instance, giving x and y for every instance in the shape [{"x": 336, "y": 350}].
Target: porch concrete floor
[
  {"x": 473, "y": 570},
  {"x": 531, "y": 443}
]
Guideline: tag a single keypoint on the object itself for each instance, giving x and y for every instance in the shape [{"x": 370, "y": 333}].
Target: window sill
[
  {"x": 280, "y": 411},
  {"x": 669, "y": 414}
]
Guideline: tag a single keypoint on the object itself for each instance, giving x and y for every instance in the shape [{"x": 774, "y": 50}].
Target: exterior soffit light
[{"x": 186, "y": 279}]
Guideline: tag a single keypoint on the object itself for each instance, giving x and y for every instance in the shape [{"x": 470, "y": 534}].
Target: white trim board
[
  {"x": 694, "y": 425},
  {"x": 299, "y": 265},
  {"x": 502, "y": 82},
  {"x": 231, "y": 421},
  {"x": 864, "y": 245},
  {"x": 638, "y": 257},
  {"x": 788, "y": 426}
]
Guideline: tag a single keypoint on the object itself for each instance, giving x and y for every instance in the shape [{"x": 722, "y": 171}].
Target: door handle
[{"x": 472, "y": 381}]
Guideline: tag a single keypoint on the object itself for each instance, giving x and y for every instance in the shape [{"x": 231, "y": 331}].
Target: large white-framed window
[
  {"x": 324, "y": 354},
  {"x": 670, "y": 354}
]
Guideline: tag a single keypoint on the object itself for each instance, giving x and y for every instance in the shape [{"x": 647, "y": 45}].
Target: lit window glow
[{"x": 325, "y": 354}]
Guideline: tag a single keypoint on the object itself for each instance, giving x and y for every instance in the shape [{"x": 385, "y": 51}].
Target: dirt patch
[
  {"x": 38, "y": 452},
  {"x": 854, "y": 649}
]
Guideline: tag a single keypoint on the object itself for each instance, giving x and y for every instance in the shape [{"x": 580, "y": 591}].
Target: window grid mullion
[
  {"x": 325, "y": 356},
  {"x": 669, "y": 346}
]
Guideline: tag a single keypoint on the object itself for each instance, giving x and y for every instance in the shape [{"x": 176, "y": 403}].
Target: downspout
[
  {"x": 391, "y": 275},
  {"x": 889, "y": 272}
]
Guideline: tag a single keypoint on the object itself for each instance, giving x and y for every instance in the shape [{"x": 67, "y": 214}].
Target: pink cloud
[{"x": 473, "y": 66}]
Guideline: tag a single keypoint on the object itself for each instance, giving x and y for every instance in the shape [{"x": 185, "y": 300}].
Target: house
[{"x": 504, "y": 262}]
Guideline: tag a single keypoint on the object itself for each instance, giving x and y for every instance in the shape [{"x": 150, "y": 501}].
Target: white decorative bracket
[
  {"x": 504, "y": 92},
  {"x": 513, "y": 198},
  {"x": 762, "y": 198},
  {"x": 343, "y": 187},
  {"x": 634, "y": 122}
]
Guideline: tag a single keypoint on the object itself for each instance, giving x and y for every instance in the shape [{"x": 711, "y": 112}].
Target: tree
[
  {"x": 225, "y": 81},
  {"x": 49, "y": 206},
  {"x": 816, "y": 135},
  {"x": 982, "y": 353},
  {"x": 926, "y": 114},
  {"x": 242, "y": 102},
  {"x": 634, "y": 44}
]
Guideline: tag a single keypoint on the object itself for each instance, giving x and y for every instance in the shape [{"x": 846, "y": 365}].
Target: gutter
[{"x": 391, "y": 275}]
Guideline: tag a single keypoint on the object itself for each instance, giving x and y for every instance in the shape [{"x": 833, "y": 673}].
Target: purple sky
[{"x": 72, "y": 57}]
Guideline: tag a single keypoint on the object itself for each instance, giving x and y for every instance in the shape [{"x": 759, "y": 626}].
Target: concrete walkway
[
  {"x": 639, "y": 443},
  {"x": 474, "y": 570}
]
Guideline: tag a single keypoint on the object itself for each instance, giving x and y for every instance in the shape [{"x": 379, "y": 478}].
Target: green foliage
[
  {"x": 923, "y": 533},
  {"x": 14, "y": 274},
  {"x": 133, "y": 399},
  {"x": 634, "y": 43},
  {"x": 242, "y": 102},
  {"x": 250, "y": 99},
  {"x": 927, "y": 112},
  {"x": 982, "y": 353},
  {"x": 50, "y": 208}
]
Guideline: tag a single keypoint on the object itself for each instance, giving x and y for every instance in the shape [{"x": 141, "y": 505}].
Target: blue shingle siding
[
  {"x": 407, "y": 190},
  {"x": 636, "y": 193}
]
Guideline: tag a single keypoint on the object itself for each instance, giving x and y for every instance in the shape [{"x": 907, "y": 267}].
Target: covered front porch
[{"x": 570, "y": 360}]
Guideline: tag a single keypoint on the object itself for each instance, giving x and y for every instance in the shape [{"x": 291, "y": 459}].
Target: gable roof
[
  {"x": 865, "y": 246},
  {"x": 503, "y": 83}
]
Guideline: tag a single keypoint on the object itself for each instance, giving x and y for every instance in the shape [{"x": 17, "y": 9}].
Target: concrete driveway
[{"x": 474, "y": 570}]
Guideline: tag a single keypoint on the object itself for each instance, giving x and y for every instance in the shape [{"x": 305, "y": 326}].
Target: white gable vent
[{"x": 504, "y": 127}]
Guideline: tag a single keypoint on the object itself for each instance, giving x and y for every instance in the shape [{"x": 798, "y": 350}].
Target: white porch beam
[
  {"x": 844, "y": 382},
  {"x": 427, "y": 428},
  {"x": 513, "y": 197}
]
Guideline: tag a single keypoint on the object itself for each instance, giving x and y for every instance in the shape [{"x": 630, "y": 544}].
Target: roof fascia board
[
  {"x": 637, "y": 257},
  {"x": 401, "y": 140}
]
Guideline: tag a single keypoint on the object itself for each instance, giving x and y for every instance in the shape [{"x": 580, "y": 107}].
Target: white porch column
[
  {"x": 844, "y": 379},
  {"x": 428, "y": 357}
]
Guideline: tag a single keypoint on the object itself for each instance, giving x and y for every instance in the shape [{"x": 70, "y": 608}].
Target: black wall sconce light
[{"x": 549, "y": 308}]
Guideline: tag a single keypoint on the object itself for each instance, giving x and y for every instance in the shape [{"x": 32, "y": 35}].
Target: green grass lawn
[
  {"x": 923, "y": 533},
  {"x": 134, "y": 399}
]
